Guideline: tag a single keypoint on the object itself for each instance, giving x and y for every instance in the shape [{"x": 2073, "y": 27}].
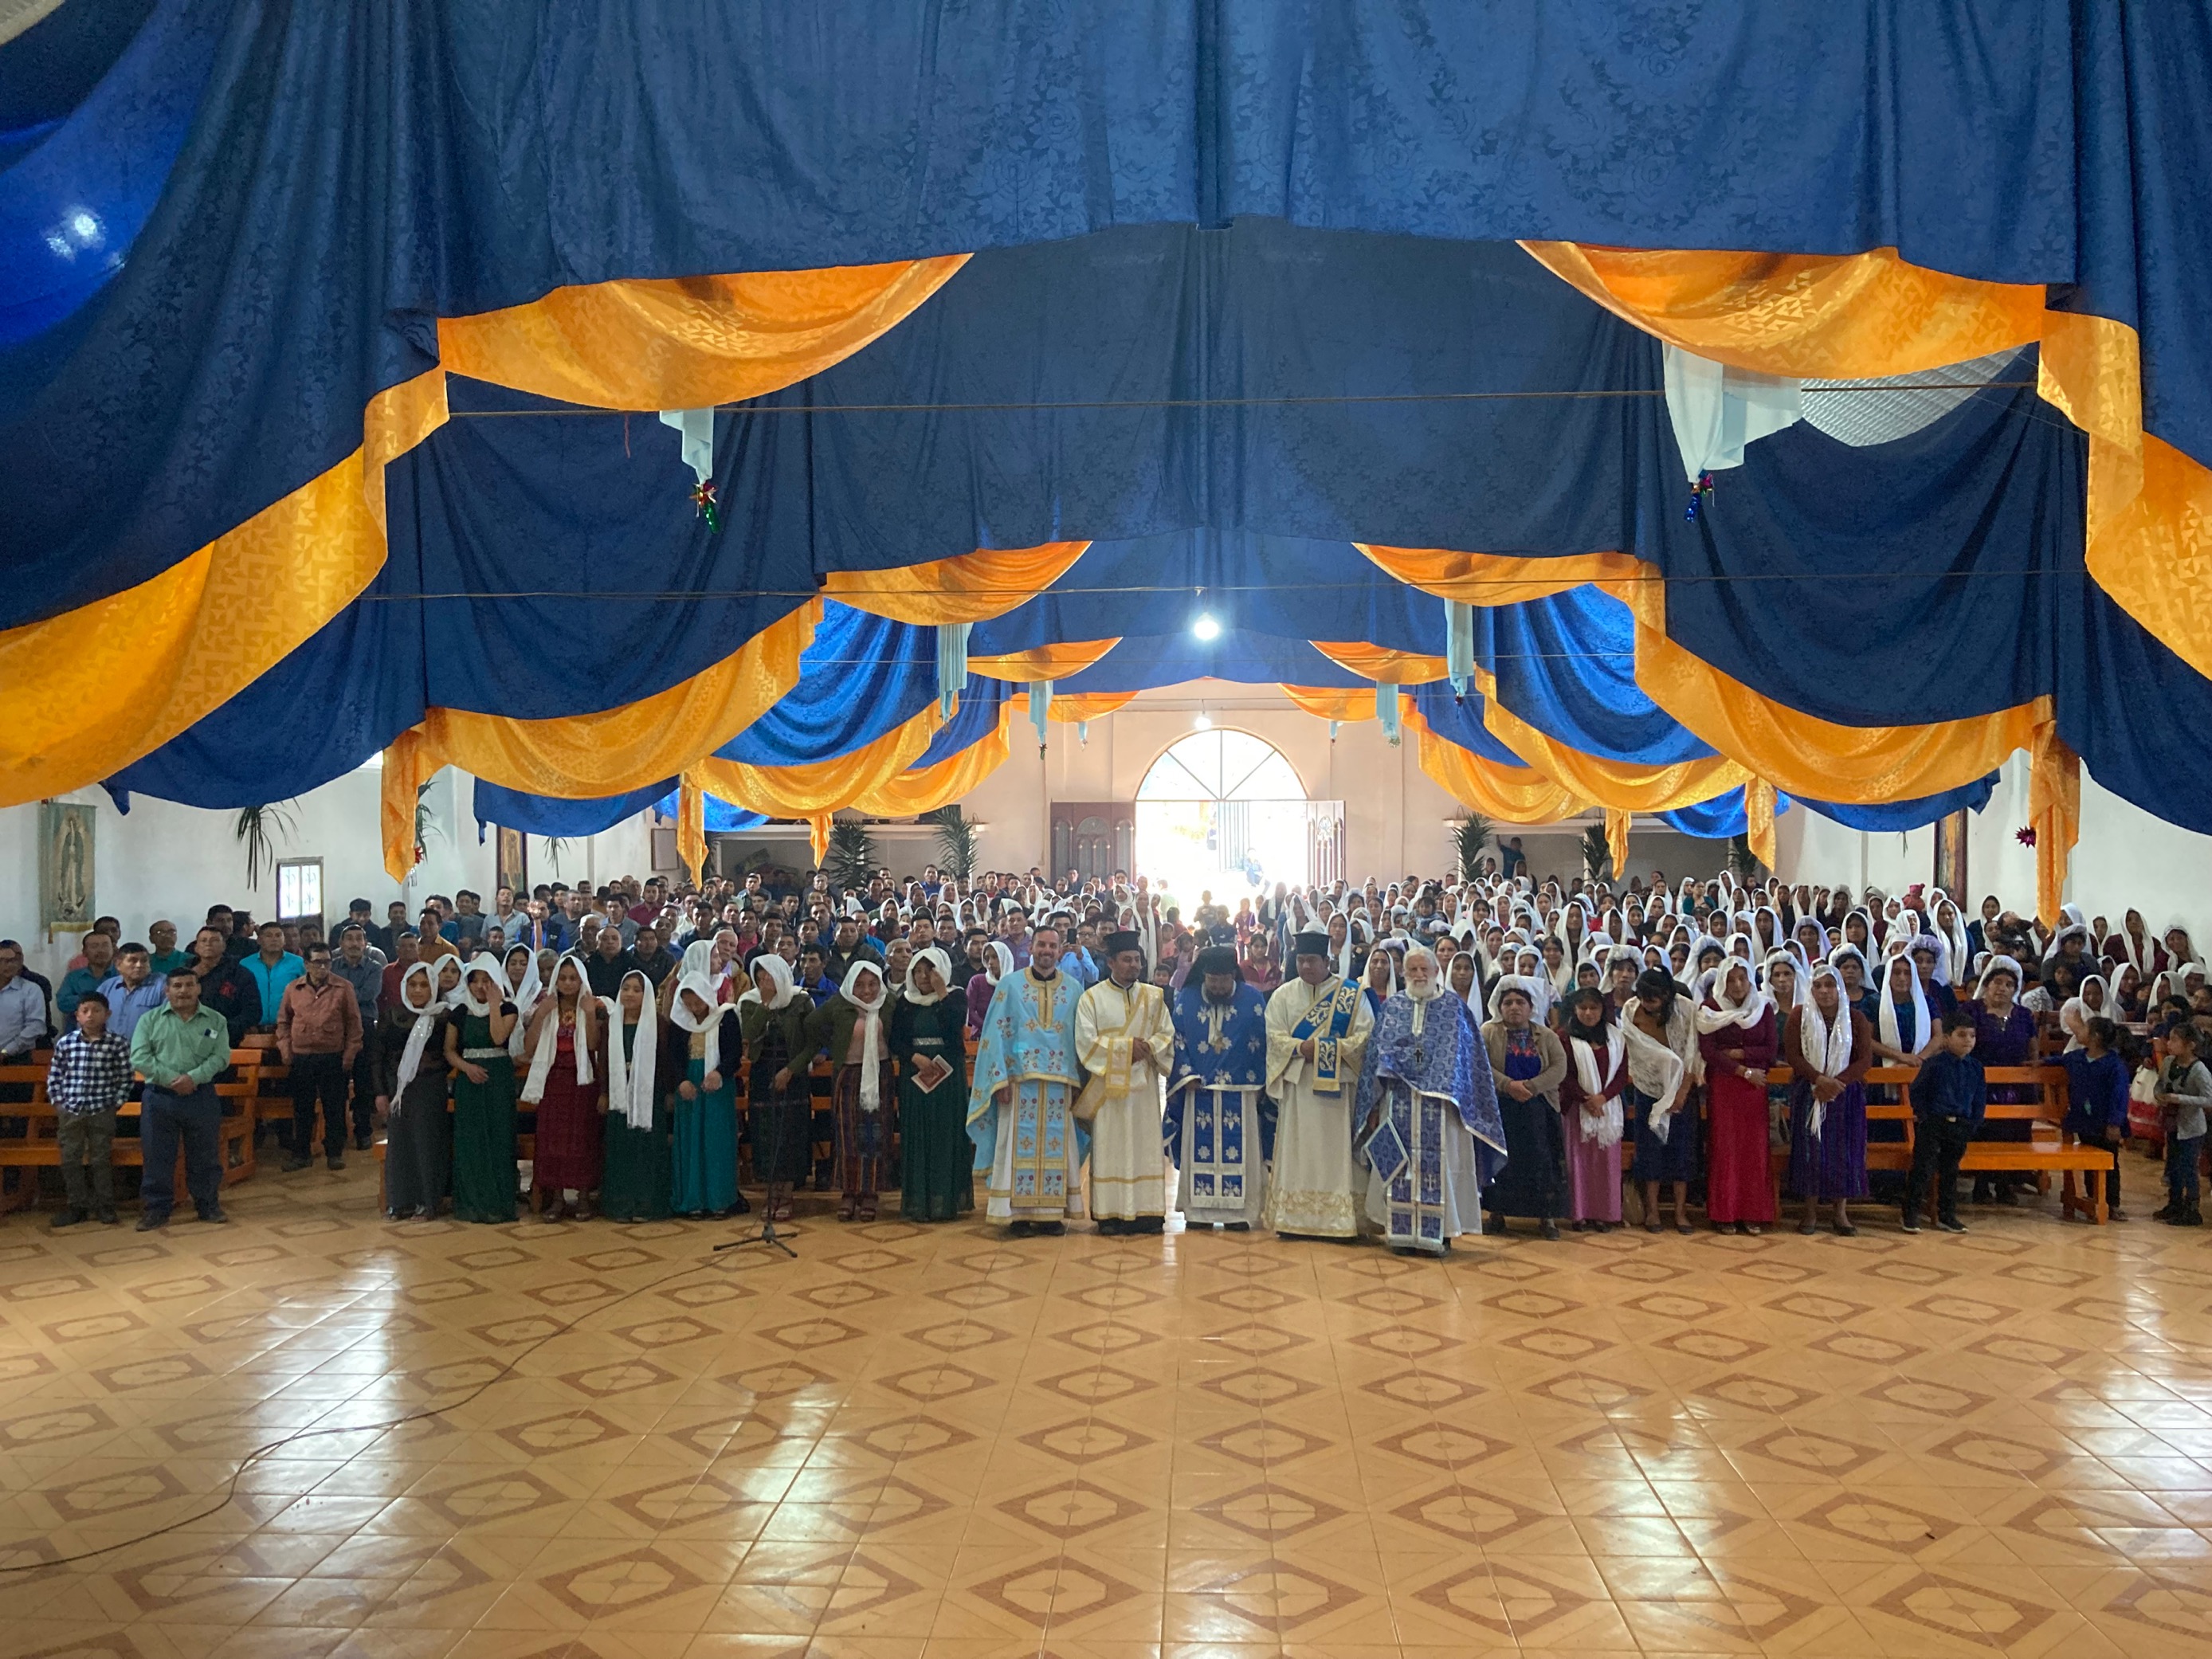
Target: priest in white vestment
[
  {"x": 1125, "y": 1037},
  {"x": 1317, "y": 1030}
]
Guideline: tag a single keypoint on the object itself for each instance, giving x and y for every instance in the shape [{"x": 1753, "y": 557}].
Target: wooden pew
[{"x": 37, "y": 1145}]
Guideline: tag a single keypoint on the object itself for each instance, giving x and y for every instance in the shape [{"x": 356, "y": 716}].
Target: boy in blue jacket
[
  {"x": 1949, "y": 1095},
  {"x": 2097, "y": 1078}
]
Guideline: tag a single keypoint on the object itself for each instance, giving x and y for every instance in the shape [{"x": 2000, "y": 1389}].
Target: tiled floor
[{"x": 940, "y": 1442}]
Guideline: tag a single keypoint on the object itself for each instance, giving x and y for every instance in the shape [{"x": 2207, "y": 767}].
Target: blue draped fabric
[
  {"x": 347, "y": 177},
  {"x": 975, "y": 718},
  {"x": 1567, "y": 664},
  {"x": 862, "y": 677},
  {"x": 1140, "y": 663},
  {"x": 546, "y": 815},
  {"x": 1459, "y": 720},
  {"x": 84, "y": 153},
  {"x": 1724, "y": 815}
]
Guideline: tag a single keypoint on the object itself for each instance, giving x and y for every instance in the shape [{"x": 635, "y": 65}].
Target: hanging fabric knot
[
  {"x": 702, "y": 504},
  {"x": 1698, "y": 492}
]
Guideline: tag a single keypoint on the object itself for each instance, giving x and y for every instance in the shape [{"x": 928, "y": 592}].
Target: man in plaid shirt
[{"x": 88, "y": 1079}]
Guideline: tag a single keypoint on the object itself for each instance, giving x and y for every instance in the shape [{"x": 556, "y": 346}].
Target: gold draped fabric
[
  {"x": 1620, "y": 785},
  {"x": 1047, "y": 662},
  {"x": 1616, "y": 840},
  {"x": 823, "y": 786},
  {"x": 1759, "y": 801},
  {"x": 1329, "y": 703},
  {"x": 1081, "y": 707},
  {"x": 2148, "y": 519},
  {"x": 923, "y": 789},
  {"x": 96, "y": 688},
  {"x": 970, "y": 587},
  {"x": 1821, "y": 316},
  {"x": 1510, "y": 794},
  {"x": 689, "y": 342},
  {"x": 105, "y": 683},
  {"x": 2054, "y": 808},
  {"x": 588, "y": 756},
  {"x": 1383, "y": 665}
]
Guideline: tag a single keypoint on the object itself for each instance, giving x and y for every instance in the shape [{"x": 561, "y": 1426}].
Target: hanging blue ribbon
[
  {"x": 951, "y": 664},
  {"x": 1459, "y": 644}
]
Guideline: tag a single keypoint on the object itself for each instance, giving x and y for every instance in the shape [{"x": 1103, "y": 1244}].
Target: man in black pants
[
  {"x": 319, "y": 1036},
  {"x": 1949, "y": 1095}
]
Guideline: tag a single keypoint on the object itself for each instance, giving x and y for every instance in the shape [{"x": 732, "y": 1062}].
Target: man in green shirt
[
  {"x": 180, "y": 1049},
  {"x": 162, "y": 936}
]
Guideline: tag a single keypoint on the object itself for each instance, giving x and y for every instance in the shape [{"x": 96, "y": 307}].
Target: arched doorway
[{"x": 1223, "y": 811}]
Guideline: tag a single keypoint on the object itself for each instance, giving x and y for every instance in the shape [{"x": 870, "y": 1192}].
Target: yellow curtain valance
[
  {"x": 1618, "y": 786},
  {"x": 2148, "y": 518},
  {"x": 104, "y": 684},
  {"x": 825, "y": 786},
  {"x": 1383, "y": 665},
  {"x": 970, "y": 587},
  {"x": 1047, "y": 662},
  {"x": 1329, "y": 703},
  {"x": 691, "y": 342},
  {"x": 100, "y": 686},
  {"x": 1082, "y": 705},
  {"x": 1510, "y": 794},
  {"x": 927, "y": 788},
  {"x": 588, "y": 756}
]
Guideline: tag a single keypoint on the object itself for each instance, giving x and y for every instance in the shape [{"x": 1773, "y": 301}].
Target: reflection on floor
[{"x": 937, "y": 1441}]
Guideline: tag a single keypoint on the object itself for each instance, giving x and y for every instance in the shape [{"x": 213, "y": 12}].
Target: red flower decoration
[{"x": 2025, "y": 835}]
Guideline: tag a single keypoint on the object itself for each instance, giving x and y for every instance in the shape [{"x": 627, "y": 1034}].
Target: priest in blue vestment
[
  {"x": 1220, "y": 1124},
  {"x": 1021, "y": 1106},
  {"x": 1429, "y": 1134}
]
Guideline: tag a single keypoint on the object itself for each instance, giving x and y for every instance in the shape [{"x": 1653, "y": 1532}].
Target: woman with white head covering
[
  {"x": 980, "y": 987},
  {"x": 563, "y": 1044},
  {"x": 1905, "y": 1025},
  {"x": 1737, "y": 1035},
  {"x": 775, "y": 1020},
  {"x": 522, "y": 985},
  {"x": 853, "y": 1027},
  {"x": 484, "y": 1094},
  {"x": 936, "y": 1160},
  {"x": 1828, "y": 1046},
  {"x": 411, "y": 1084},
  {"x": 1591, "y": 1113},
  {"x": 2004, "y": 1035},
  {"x": 2093, "y": 1001},
  {"x": 705, "y": 1156},
  {"x": 639, "y": 1167}
]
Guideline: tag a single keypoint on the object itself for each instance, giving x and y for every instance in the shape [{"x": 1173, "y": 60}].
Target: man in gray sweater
[{"x": 361, "y": 965}]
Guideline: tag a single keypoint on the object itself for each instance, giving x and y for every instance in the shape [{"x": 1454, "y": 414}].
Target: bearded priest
[
  {"x": 1125, "y": 1041},
  {"x": 1317, "y": 1029}
]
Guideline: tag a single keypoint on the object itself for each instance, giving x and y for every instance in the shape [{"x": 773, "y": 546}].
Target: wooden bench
[
  {"x": 37, "y": 1144},
  {"x": 2050, "y": 1149}
]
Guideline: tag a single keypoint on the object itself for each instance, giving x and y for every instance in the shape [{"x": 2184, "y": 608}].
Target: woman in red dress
[
  {"x": 1736, "y": 1035},
  {"x": 562, "y": 1047}
]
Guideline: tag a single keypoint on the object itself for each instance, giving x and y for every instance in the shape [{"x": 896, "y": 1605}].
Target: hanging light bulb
[
  {"x": 1203, "y": 723},
  {"x": 1206, "y": 627}
]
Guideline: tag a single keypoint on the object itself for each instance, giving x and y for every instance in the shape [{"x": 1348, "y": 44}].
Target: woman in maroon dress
[
  {"x": 1736, "y": 1035},
  {"x": 562, "y": 1049}
]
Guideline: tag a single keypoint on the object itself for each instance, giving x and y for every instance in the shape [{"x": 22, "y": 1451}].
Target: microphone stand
[{"x": 765, "y": 1232}]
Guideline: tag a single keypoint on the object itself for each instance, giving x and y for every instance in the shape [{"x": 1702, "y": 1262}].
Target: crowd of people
[{"x": 1410, "y": 1060}]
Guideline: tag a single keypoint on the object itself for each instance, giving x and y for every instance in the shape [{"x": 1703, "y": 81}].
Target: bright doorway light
[
  {"x": 1203, "y": 723},
  {"x": 1206, "y": 627}
]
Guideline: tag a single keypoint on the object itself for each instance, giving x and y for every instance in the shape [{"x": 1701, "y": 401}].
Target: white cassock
[
  {"x": 1314, "y": 1177},
  {"x": 1121, "y": 1101}
]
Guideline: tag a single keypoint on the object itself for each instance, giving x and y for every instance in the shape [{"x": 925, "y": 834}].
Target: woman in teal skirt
[
  {"x": 639, "y": 1175},
  {"x": 483, "y": 1096},
  {"x": 707, "y": 1039},
  {"x": 937, "y": 1180}
]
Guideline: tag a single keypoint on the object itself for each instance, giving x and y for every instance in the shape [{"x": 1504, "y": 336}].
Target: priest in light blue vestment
[
  {"x": 1429, "y": 1134},
  {"x": 1220, "y": 1124},
  {"x": 1020, "y": 1106}
]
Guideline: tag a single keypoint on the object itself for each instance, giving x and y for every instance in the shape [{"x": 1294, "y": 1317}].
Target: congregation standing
[{"x": 1410, "y": 1061}]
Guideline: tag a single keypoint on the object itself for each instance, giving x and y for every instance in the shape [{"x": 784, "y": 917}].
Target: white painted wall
[
  {"x": 166, "y": 861},
  {"x": 2125, "y": 857}
]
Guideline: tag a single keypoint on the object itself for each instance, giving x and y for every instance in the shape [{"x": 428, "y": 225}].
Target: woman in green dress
[
  {"x": 705, "y": 1112},
  {"x": 484, "y": 1096},
  {"x": 640, "y": 1165},
  {"x": 928, "y": 1026},
  {"x": 779, "y": 1055}
]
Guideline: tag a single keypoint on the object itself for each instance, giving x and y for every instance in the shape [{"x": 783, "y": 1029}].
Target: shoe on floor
[
  {"x": 216, "y": 1217},
  {"x": 1909, "y": 1224},
  {"x": 336, "y": 1164},
  {"x": 296, "y": 1162},
  {"x": 1953, "y": 1225},
  {"x": 108, "y": 1216},
  {"x": 361, "y": 1141},
  {"x": 148, "y": 1223},
  {"x": 65, "y": 1219},
  {"x": 1549, "y": 1229}
]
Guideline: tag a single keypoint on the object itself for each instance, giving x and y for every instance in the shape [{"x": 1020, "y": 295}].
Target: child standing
[
  {"x": 87, "y": 1078},
  {"x": 2184, "y": 1093},
  {"x": 1949, "y": 1095},
  {"x": 2097, "y": 1100}
]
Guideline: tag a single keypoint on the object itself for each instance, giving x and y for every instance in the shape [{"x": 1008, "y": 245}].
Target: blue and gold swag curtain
[{"x": 200, "y": 431}]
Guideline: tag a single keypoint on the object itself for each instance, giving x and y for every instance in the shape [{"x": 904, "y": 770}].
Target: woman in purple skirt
[{"x": 1828, "y": 1046}]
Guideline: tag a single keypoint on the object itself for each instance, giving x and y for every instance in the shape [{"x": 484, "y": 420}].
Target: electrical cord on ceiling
[{"x": 270, "y": 1447}]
